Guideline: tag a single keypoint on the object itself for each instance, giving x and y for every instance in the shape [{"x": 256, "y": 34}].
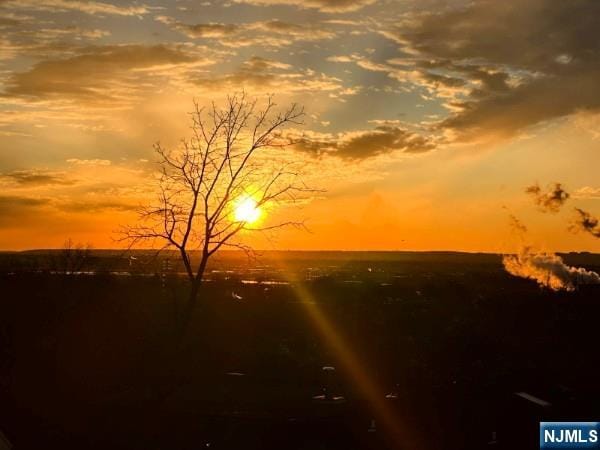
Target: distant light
[{"x": 533, "y": 399}]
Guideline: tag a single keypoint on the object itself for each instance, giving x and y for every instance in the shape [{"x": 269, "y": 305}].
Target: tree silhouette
[
  {"x": 72, "y": 257},
  {"x": 201, "y": 183}
]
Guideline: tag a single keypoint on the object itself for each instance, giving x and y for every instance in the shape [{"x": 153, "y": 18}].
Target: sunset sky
[{"x": 426, "y": 120}]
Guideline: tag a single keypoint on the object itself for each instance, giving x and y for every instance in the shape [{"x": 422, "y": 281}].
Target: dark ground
[{"x": 87, "y": 360}]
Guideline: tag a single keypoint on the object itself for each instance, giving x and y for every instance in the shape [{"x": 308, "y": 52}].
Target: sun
[{"x": 247, "y": 210}]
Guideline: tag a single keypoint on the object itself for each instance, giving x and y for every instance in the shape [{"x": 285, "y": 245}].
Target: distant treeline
[{"x": 152, "y": 262}]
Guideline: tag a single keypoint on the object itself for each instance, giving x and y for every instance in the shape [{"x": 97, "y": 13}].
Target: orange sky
[{"x": 425, "y": 123}]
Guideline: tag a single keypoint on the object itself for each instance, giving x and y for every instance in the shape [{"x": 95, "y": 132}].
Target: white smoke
[{"x": 548, "y": 270}]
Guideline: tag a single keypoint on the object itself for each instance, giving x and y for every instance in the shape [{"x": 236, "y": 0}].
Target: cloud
[
  {"x": 43, "y": 39},
  {"x": 340, "y": 59},
  {"x": 87, "y": 7},
  {"x": 551, "y": 200},
  {"x": 356, "y": 145},
  {"x": 272, "y": 33},
  {"x": 87, "y": 206},
  {"x": 100, "y": 74},
  {"x": 26, "y": 121},
  {"x": 515, "y": 79},
  {"x": 202, "y": 30},
  {"x": 33, "y": 177},
  {"x": 548, "y": 270},
  {"x": 38, "y": 196},
  {"x": 504, "y": 116},
  {"x": 10, "y": 201},
  {"x": 587, "y": 192},
  {"x": 48, "y": 37},
  {"x": 14, "y": 209},
  {"x": 585, "y": 222},
  {"x": 517, "y": 227},
  {"x": 50, "y": 34},
  {"x": 258, "y": 75},
  {"x": 9, "y": 19},
  {"x": 329, "y": 6},
  {"x": 89, "y": 162},
  {"x": 417, "y": 73},
  {"x": 310, "y": 32},
  {"x": 19, "y": 211}
]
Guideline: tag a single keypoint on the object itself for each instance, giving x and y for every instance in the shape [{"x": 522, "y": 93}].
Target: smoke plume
[
  {"x": 548, "y": 270},
  {"x": 585, "y": 222},
  {"x": 551, "y": 200}
]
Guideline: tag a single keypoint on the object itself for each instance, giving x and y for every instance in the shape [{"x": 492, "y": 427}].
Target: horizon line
[{"x": 474, "y": 252}]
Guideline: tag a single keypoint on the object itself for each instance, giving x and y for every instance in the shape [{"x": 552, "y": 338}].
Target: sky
[{"x": 426, "y": 121}]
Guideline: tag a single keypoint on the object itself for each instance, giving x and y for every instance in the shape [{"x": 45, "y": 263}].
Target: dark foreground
[{"x": 434, "y": 348}]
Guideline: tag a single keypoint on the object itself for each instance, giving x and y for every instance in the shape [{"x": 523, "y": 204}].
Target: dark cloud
[
  {"x": 14, "y": 201},
  {"x": 36, "y": 178},
  {"x": 96, "y": 206},
  {"x": 524, "y": 62},
  {"x": 585, "y": 222},
  {"x": 481, "y": 80},
  {"x": 528, "y": 35},
  {"x": 93, "y": 73},
  {"x": 364, "y": 144},
  {"x": 382, "y": 139},
  {"x": 551, "y": 200},
  {"x": 504, "y": 115},
  {"x": 15, "y": 209}
]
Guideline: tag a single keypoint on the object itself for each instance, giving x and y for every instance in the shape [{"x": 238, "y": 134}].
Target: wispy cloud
[
  {"x": 329, "y": 6},
  {"x": 588, "y": 192},
  {"x": 87, "y": 7},
  {"x": 271, "y": 33},
  {"x": 89, "y": 162},
  {"x": 260, "y": 75}
]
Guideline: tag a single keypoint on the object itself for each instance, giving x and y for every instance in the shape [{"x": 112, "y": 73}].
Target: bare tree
[
  {"x": 203, "y": 182},
  {"x": 72, "y": 258}
]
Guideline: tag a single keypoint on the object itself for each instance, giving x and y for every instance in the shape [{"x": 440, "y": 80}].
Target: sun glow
[{"x": 247, "y": 210}]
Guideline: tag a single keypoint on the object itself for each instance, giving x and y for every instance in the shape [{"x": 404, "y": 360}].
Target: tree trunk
[
  {"x": 188, "y": 310},
  {"x": 190, "y": 306}
]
